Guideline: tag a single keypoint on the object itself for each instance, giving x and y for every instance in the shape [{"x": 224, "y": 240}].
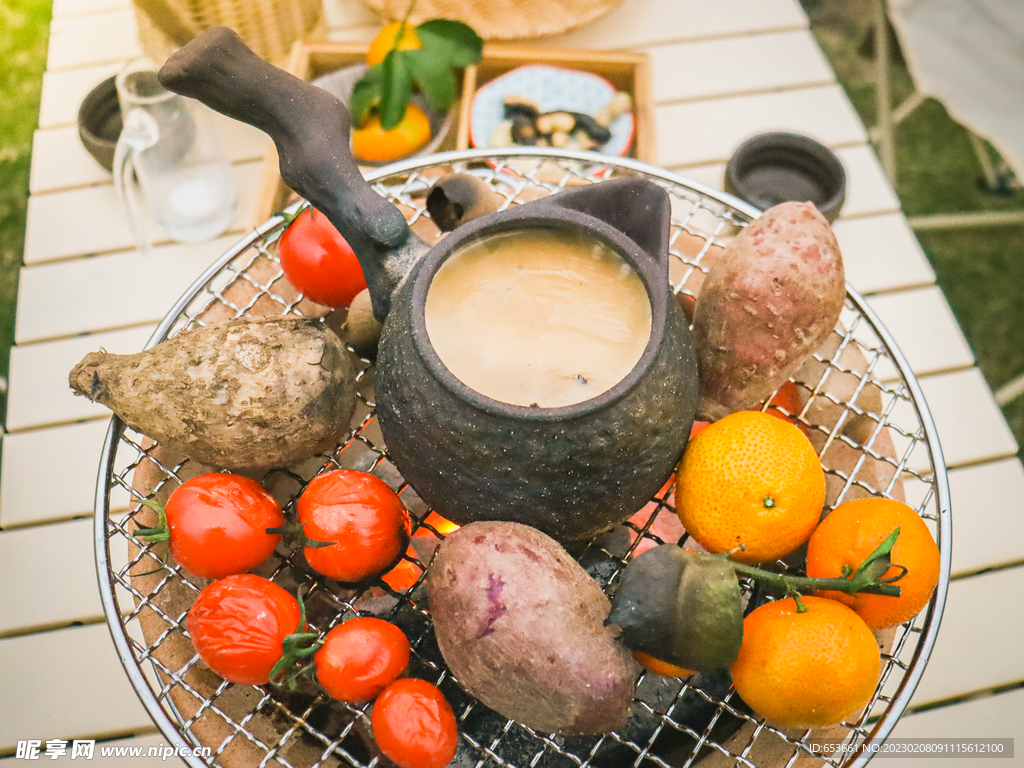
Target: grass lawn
[
  {"x": 24, "y": 30},
  {"x": 980, "y": 270}
]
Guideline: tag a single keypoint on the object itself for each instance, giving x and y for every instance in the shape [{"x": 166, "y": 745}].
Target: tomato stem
[
  {"x": 159, "y": 532},
  {"x": 294, "y": 533},
  {"x": 867, "y": 578},
  {"x": 294, "y": 648}
]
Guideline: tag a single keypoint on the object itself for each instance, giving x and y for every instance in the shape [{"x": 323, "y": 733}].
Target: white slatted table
[{"x": 722, "y": 71}]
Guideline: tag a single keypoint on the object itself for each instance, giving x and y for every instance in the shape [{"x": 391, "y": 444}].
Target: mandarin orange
[
  {"x": 370, "y": 142},
  {"x": 659, "y": 667},
  {"x": 806, "y": 670},
  {"x": 750, "y": 484},
  {"x": 381, "y": 45},
  {"x": 854, "y": 530}
]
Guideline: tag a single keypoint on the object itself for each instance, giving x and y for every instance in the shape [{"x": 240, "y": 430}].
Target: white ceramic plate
[{"x": 552, "y": 89}]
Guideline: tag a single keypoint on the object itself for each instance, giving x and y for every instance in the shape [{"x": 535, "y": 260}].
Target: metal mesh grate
[{"x": 863, "y": 411}]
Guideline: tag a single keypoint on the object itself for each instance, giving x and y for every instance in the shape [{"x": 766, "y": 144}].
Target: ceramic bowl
[
  {"x": 551, "y": 89},
  {"x": 773, "y": 168},
  {"x": 99, "y": 122}
]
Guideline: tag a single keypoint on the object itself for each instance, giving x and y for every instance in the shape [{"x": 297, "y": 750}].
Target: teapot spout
[{"x": 310, "y": 129}]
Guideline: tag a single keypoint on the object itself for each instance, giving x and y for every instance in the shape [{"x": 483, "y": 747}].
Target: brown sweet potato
[
  {"x": 521, "y": 625},
  {"x": 770, "y": 299},
  {"x": 257, "y": 392}
]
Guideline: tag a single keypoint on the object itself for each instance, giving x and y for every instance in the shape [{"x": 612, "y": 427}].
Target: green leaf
[
  {"x": 397, "y": 88},
  {"x": 366, "y": 94},
  {"x": 457, "y": 42},
  {"x": 433, "y": 75}
]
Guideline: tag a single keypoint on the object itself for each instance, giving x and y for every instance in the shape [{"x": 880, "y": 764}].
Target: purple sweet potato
[
  {"x": 521, "y": 625},
  {"x": 767, "y": 303}
]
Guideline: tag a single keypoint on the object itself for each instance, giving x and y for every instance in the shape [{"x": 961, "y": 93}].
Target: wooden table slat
[
  {"x": 73, "y": 39},
  {"x": 924, "y": 328},
  {"x": 978, "y": 646},
  {"x": 63, "y": 224},
  {"x": 700, "y": 132},
  {"x": 48, "y": 591},
  {"x": 880, "y": 253},
  {"x": 69, "y": 684},
  {"x": 679, "y": 70},
  {"x": 990, "y": 717},
  {"x": 39, "y": 394},
  {"x": 60, "y": 161},
  {"x": 652, "y": 22},
  {"x": 26, "y": 498},
  {"x": 111, "y": 291}
]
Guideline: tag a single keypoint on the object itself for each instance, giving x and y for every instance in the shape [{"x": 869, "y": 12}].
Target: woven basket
[
  {"x": 269, "y": 27},
  {"x": 501, "y": 19}
]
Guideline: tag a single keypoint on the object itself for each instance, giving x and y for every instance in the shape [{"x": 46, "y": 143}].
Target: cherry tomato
[
  {"x": 318, "y": 261},
  {"x": 360, "y": 658},
  {"x": 218, "y": 524},
  {"x": 365, "y": 521},
  {"x": 414, "y": 726},
  {"x": 238, "y": 625}
]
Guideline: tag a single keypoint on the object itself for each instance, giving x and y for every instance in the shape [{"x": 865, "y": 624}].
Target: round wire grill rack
[{"x": 858, "y": 402}]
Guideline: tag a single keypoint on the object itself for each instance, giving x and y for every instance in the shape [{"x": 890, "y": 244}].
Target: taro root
[
  {"x": 768, "y": 302},
  {"x": 521, "y": 625},
  {"x": 680, "y": 607},
  {"x": 361, "y": 329},
  {"x": 250, "y": 393}
]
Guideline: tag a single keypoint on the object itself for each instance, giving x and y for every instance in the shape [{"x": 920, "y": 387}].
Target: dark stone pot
[{"x": 572, "y": 471}]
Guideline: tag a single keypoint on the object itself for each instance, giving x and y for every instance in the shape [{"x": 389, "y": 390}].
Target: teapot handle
[
  {"x": 139, "y": 133},
  {"x": 310, "y": 129}
]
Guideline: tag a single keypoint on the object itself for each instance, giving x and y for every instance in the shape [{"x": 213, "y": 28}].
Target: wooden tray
[{"x": 629, "y": 72}]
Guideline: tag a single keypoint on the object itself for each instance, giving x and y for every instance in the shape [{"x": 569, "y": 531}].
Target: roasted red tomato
[
  {"x": 217, "y": 524},
  {"x": 414, "y": 726},
  {"x": 239, "y": 624},
  {"x": 318, "y": 261},
  {"x": 363, "y": 522},
  {"x": 360, "y": 658}
]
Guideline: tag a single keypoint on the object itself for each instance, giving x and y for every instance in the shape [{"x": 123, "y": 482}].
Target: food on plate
[
  {"x": 458, "y": 198},
  {"x": 216, "y": 524},
  {"x": 356, "y": 526},
  {"x": 768, "y": 302},
  {"x": 525, "y": 124},
  {"x": 361, "y": 329},
  {"x": 414, "y": 725},
  {"x": 318, "y": 261},
  {"x": 253, "y": 392},
  {"x": 375, "y": 144},
  {"x": 360, "y": 658},
  {"x": 750, "y": 484},
  {"x": 239, "y": 626},
  {"x": 521, "y": 625},
  {"x": 806, "y": 669},
  {"x": 851, "y": 532},
  {"x": 680, "y": 607}
]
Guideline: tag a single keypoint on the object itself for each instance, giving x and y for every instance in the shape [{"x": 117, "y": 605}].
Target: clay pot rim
[
  {"x": 537, "y": 215},
  {"x": 797, "y": 151}
]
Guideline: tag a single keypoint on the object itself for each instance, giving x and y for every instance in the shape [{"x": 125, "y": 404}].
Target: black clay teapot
[{"x": 571, "y": 470}]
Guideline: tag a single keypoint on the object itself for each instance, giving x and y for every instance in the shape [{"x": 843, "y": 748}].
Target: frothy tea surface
[{"x": 539, "y": 316}]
